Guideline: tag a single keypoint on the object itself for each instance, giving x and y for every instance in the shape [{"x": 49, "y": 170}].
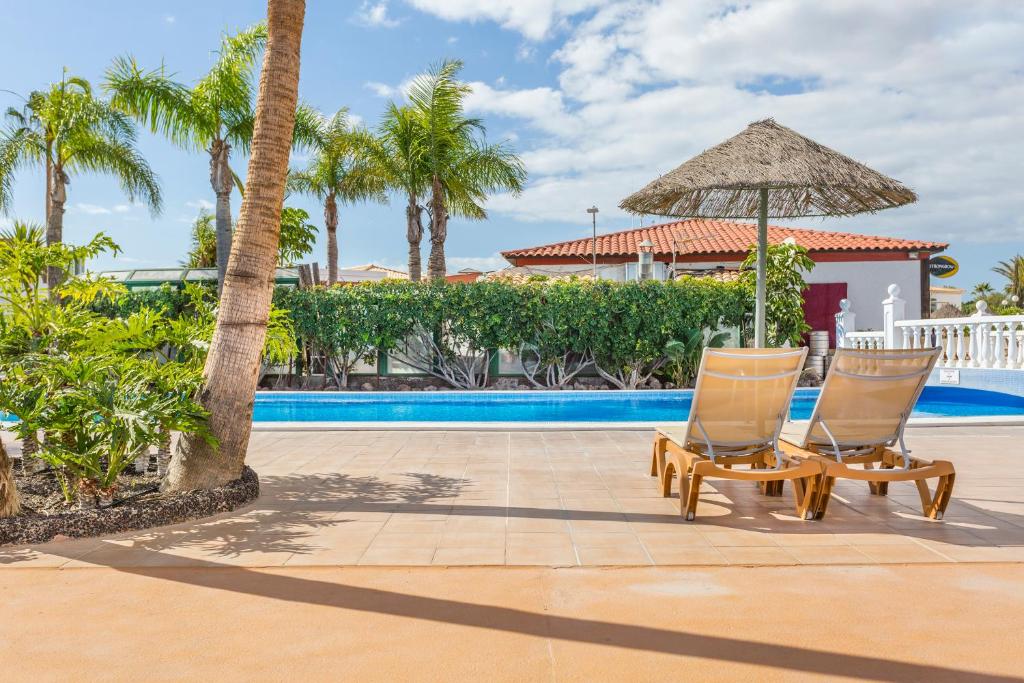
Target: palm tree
[
  {"x": 232, "y": 366},
  {"x": 982, "y": 290},
  {"x": 462, "y": 168},
  {"x": 342, "y": 169},
  {"x": 1013, "y": 271},
  {"x": 203, "y": 253},
  {"x": 399, "y": 152},
  {"x": 215, "y": 115},
  {"x": 67, "y": 130}
]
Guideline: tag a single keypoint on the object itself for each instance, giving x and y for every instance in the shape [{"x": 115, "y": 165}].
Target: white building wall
[{"x": 867, "y": 284}]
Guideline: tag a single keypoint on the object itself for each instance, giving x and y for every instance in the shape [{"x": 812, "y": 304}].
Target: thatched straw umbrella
[{"x": 768, "y": 170}]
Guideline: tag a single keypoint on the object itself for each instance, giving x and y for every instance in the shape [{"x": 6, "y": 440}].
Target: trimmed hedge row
[
  {"x": 453, "y": 330},
  {"x": 558, "y": 328}
]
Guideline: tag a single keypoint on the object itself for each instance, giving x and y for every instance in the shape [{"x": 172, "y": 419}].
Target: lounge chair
[
  {"x": 860, "y": 415},
  {"x": 739, "y": 406}
]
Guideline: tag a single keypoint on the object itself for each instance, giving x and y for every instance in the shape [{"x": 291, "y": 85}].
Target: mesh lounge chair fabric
[
  {"x": 739, "y": 406},
  {"x": 862, "y": 411}
]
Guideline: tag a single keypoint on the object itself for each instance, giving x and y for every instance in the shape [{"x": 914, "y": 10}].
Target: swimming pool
[{"x": 570, "y": 406}]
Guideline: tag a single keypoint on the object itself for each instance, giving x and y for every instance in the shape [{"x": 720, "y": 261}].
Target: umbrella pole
[{"x": 762, "y": 270}]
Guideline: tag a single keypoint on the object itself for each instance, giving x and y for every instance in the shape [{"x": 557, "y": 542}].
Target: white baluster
[
  {"x": 984, "y": 342},
  {"x": 906, "y": 338},
  {"x": 998, "y": 352},
  {"x": 961, "y": 356},
  {"x": 950, "y": 361},
  {"x": 1011, "y": 346},
  {"x": 975, "y": 348}
]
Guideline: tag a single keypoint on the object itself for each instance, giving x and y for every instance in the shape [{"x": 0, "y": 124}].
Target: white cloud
[
  {"x": 533, "y": 18},
  {"x": 452, "y": 40},
  {"x": 204, "y": 204},
  {"x": 374, "y": 14},
  {"x": 483, "y": 264},
  {"x": 97, "y": 210},
  {"x": 169, "y": 19},
  {"x": 395, "y": 92},
  {"x": 927, "y": 91}
]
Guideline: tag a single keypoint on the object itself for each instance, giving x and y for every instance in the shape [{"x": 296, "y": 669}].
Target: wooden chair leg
[
  {"x": 655, "y": 470},
  {"x": 805, "y": 492},
  {"x": 824, "y": 495},
  {"x": 934, "y": 505},
  {"x": 666, "y": 479},
  {"x": 688, "y": 505}
]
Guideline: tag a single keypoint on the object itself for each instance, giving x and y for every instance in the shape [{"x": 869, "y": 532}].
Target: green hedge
[
  {"x": 558, "y": 328},
  {"x": 453, "y": 330}
]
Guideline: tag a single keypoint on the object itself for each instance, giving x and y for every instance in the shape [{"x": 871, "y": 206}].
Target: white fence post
[
  {"x": 894, "y": 309},
  {"x": 846, "y": 321}
]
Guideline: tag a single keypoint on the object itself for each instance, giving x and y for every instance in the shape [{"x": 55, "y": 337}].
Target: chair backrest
[
  {"x": 742, "y": 397},
  {"x": 868, "y": 395}
]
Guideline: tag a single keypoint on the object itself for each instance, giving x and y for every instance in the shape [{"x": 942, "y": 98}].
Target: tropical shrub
[
  {"x": 784, "y": 312},
  {"x": 101, "y": 390},
  {"x": 684, "y": 354},
  {"x": 558, "y": 328},
  {"x": 558, "y": 348},
  {"x": 346, "y": 325}
]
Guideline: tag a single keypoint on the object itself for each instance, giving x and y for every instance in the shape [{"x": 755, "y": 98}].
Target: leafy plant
[
  {"x": 101, "y": 412},
  {"x": 101, "y": 390},
  {"x": 297, "y": 236},
  {"x": 684, "y": 354},
  {"x": 203, "y": 253},
  {"x": 784, "y": 312}
]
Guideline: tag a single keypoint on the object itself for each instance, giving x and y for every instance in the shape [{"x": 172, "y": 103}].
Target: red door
[{"x": 821, "y": 303}]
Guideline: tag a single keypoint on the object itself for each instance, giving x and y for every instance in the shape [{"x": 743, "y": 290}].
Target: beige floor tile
[
  {"x": 552, "y": 556},
  {"x": 739, "y": 537},
  {"x": 539, "y": 540},
  {"x": 613, "y": 555},
  {"x": 828, "y": 554},
  {"x": 397, "y": 556},
  {"x": 406, "y": 540},
  {"x": 679, "y": 555},
  {"x": 537, "y": 524},
  {"x": 901, "y": 554},
  {"x": 494, "y": 539},
  {"x": 756, "y": 555},
  {"x": 468, "y": 555}
]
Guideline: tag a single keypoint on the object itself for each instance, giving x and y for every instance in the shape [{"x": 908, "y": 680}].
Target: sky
[{"x": 598, "y": 98}]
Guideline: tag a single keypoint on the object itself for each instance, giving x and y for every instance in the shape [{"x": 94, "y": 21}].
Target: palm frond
[
  {"x": 160, "y": 103},
  {"x": 120, "y": 159}
]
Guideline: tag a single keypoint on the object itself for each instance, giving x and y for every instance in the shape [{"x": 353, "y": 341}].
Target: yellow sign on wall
[{"x": 943, "y": 266}]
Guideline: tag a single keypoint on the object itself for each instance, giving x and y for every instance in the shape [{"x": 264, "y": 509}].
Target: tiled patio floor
[{"x": 560, "y": 499}]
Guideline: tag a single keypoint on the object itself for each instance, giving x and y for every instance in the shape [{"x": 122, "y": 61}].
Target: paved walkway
[
  {"x": 559, "y": 499},
  {"x": 268, "y": 592},
  {"x": 896, "y": 623}
]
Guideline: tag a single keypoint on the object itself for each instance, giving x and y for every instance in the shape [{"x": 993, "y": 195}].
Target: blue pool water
[{"x": 568, "y": 406}]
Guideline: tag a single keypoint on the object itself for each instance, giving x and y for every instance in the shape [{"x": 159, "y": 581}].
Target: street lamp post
[
  {"x": 593, "y": 215},
  {"x": 645, "y": 266}
]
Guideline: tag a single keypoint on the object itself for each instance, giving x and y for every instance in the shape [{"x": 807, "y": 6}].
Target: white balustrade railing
[
  {"x": 991, "y": 341},
  {"x": 977, "y": 341},
  {"x": 865, "y": 340}
]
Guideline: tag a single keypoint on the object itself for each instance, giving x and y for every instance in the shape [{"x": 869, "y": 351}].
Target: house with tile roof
[{"x": 847, "y": 265}]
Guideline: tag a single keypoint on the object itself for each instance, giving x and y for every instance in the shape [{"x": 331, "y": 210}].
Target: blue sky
[{"x": 598, "y": 97}]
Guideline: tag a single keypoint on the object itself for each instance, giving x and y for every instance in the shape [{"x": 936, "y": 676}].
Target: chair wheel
[
  {"x": 690, "y": 516},
  {"x": 938, "y": 515}
]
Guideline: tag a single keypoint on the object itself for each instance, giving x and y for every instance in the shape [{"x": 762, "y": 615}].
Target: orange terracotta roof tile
[{"x": 705, "y": 236}]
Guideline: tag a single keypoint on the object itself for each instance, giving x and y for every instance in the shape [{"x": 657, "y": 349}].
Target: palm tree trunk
[
  {"x": 55, "y": 221},
  {"x": 233, "y": 364},
  {"x": 436, "y": 267},
  {"x": 222, "y": 183},
  {"x": 331, "y": 223},
  {"x": 10, "y": 505},
  {"x": 414, "y": 234}
]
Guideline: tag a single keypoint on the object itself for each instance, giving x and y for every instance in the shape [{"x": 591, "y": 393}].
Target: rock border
[{"x": 133, "y": 515}]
